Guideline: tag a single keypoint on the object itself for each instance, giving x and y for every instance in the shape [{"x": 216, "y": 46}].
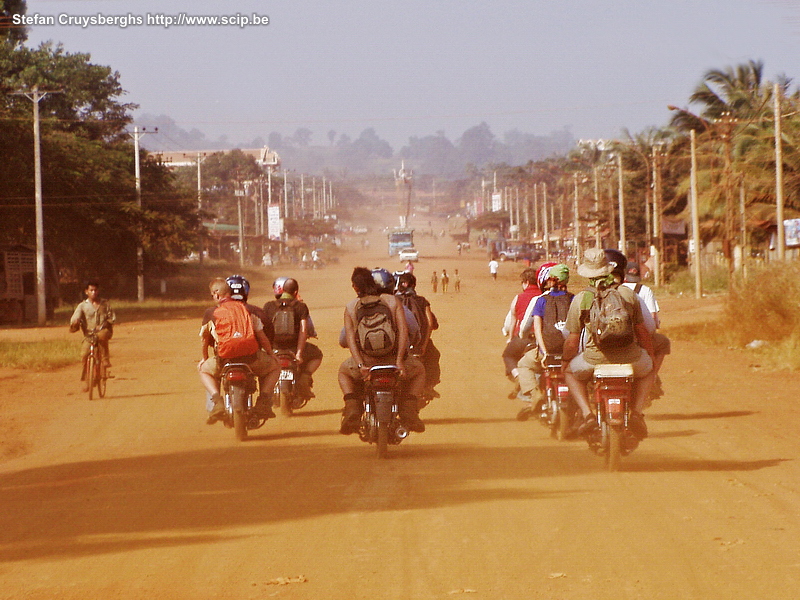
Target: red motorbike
[
  {"x": 612, "y": 393},
  {"x": 239, "y": 391},
  {"x": 559, "y": 412}
]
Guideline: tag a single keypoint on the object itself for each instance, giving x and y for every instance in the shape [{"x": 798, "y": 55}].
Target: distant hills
[{"x": 368, "y": 154}]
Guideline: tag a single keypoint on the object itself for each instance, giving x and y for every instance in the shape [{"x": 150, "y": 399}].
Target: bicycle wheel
[
  {"x": 91, "y": 373},
  {"x": 102, "y": 377}
]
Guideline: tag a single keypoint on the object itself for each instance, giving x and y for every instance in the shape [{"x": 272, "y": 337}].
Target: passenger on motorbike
[
  {"x": 650, "y": 309},
  {"x": 581, "y": 354},
  {"x": 548, "y": 318},
  {"x": 356, "y": 369},
  {"x": 262, "y": 363},
  {"x": 428, "y": 323},
  {"x": 94, "y": 315},
  {"x": 515, "y": 346},
  {"x": 308, "y": 355}
]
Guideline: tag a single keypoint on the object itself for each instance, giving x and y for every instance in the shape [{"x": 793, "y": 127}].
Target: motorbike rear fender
[{"x": 384, "y": 405}]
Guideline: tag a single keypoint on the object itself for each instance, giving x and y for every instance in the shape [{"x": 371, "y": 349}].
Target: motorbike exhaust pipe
[{"x": 401, "y": 432}]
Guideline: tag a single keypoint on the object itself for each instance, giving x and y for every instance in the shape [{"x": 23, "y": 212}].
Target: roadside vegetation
[{"x": 761, "y": 314}]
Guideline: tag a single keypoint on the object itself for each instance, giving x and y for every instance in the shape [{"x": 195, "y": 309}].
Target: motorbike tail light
[
  {"x": 285, "y": 362},
  {"x": 236, "y": 376},
  {"x": 383, "y": 382}
]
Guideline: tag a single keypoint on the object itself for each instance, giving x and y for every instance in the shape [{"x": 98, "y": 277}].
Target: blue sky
[{"x": 417, "y": 67}]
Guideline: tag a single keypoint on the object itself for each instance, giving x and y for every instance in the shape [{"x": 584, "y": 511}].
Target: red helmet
[
  {"x": 277, "y": 286},
  {"x": 543, "y": 273}
]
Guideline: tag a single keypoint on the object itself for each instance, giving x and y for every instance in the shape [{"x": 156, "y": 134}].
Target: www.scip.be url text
[{"x": 148, "y": 19}]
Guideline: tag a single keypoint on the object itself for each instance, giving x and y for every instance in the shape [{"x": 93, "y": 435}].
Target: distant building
[{"x": 264, "y": 157}]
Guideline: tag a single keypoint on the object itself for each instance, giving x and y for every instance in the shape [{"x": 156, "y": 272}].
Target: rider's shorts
[
  {"x": 584, "y": 370},
  {"x": 412, "y": 365},
  {"x": 260, "y": 363},
  {"x": 661, "y": 344}
]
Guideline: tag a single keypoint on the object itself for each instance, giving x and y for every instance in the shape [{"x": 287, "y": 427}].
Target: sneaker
[
  {"x": 637, "y": 425},
  {"x": 413, "y": 423},
  {"x": 350, "y": 424},
  {"x": 524, "y": 413},
  {"x": 219, "y": 407},
  {"x": 589, "y": 424},
  {"x": 263, "y": 407}
]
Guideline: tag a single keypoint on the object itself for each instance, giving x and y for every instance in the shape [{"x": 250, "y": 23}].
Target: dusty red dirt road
[{"x": 133, "y": 496}]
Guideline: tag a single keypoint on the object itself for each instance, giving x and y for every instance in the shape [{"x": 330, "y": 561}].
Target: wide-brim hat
[{"x": 594, "y": 264}]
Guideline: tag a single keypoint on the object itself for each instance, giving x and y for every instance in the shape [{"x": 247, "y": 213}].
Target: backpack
[
  {"x": 283, "y": 324},
  {"x": 610, "y": 322},
  {"x": 375, "y": 328},
  {"x": 410, "y": 302},
  {"x": 235, "y": 334},
  {"x": 554, "y": 320}
]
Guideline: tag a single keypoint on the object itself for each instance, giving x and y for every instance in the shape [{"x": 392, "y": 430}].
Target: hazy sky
[{"x": 415, "y": 67}]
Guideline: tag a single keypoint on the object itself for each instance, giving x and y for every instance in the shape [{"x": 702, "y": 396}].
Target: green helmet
[{"x": 559, "y": 272}]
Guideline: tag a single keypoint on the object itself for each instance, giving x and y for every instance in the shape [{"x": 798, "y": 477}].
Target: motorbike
[
  {"x": 239, "y": 393},
  {"x": 285, "y": 396},
  {"x": 380, "y": 420},
  {"x": 559, "y": 411},
  {"x": 612, "y": 394}
]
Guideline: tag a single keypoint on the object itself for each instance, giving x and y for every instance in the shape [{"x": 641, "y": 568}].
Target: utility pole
[
  {"x": 779, "y": 175},
  {"x": 546, "y": 233},
  {"x": 623, "y": 242},
  {"x": 576, "y": 228},
  {"x": 36, "y": 96},
  {"x": 302, "y": 196},
  {"x": 139, "y": 249},
  {"x": 698, "y": 277}
]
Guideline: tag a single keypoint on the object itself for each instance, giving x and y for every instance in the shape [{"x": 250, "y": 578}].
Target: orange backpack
[{"x": 235, "y": 335}]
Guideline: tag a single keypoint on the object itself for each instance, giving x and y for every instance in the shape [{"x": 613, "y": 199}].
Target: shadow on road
[
  {"x": 667, "y": 464},
  {"x": 701, "y": 415},
  {"x": 94, "y": 507}
]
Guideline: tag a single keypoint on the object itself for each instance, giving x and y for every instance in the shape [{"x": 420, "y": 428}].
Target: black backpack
[
  {"x": 554, "y": 320},
  {"x": 283, "y": 324},
  {"x": 375, "y": 328}
]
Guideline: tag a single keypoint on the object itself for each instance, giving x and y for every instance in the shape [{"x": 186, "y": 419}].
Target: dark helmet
[
  {"x": 384, "y": 280},
  {"x": 240, "y": 287},
  {"x": 617, "y": 261}
]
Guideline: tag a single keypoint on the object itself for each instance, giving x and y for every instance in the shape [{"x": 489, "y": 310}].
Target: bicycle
[{"x": 94, "y": 368}]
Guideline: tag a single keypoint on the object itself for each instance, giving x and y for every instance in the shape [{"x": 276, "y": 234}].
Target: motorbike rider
[
  {"x": 308, "y": 355},
  {"x": 356, "y": 368},
  {"x": 630, "y": 273},
  {"x": 428, "y": 323},
  {"x": 578, "y": 363},
  {"x": 262, "y": 363},
  {"x": 516, "y": 345},
  {"x": 548, "y": 317},
  {"x": 93, "y": 314}
]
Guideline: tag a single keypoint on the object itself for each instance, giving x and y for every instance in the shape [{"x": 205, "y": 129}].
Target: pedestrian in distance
[
  {"x": 493, "y": 267},
  {"x": 445, "y": 281},
  {"x": 434, "y": 281},
  {"x": 456, "y": 281}
]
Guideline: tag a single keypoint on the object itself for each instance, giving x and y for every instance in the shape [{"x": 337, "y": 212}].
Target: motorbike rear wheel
[
  {"x": 286, "y": 398},
  {"x": 563, "y": 424},
  {"x": 239, "y": 402},
  {"x": 614, "y": 453},
  {"x": 383, "y": 439}
]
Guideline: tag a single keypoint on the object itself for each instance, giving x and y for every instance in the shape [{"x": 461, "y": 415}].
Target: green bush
[
  {"x": 715, "y": 280},
  {"x": 766, "y": 305}
]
